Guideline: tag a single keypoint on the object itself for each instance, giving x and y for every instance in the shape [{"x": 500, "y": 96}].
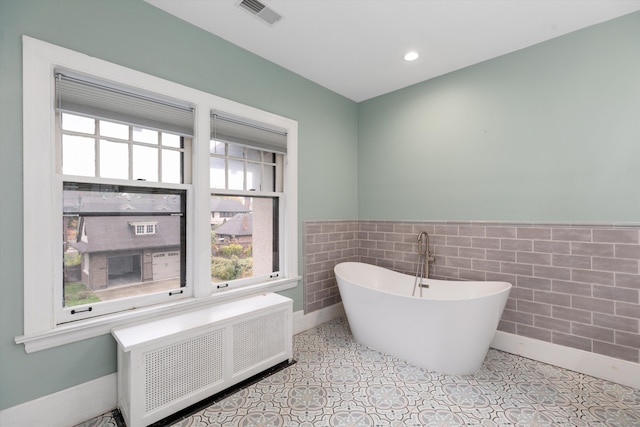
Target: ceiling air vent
[{"x": 261, "y": 11}]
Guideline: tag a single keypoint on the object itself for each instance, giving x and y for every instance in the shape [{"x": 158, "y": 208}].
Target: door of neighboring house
[
  {"x": 124, "y": 269},
  {"x": 166, "y": 265}
]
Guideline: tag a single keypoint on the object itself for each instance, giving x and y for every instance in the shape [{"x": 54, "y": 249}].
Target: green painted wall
[
  {"x": 548, "y": 133},
  {"x": 137, "y": 35}
]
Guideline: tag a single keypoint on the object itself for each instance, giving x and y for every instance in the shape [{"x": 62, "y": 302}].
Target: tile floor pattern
[{"x": 338, "y": 382}]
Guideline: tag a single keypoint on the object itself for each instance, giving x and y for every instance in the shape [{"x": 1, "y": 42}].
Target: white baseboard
[
  {"x": 67, "y": 407},
  {"x": 303, "y": 322},
  {"x": 596, "y": 365}
]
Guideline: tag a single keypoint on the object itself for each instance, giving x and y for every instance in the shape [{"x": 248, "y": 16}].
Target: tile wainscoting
[
  {"x": 326, "y": 243},
  {"x": 574, "y": 285}
]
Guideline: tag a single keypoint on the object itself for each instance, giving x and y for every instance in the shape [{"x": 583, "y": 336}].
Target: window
[
  {"x": 142, "y": 228},
  {"x": 246, "y": 168},
  {"x": 109, "y": 133},
  {"x": 124, "y": 191}
]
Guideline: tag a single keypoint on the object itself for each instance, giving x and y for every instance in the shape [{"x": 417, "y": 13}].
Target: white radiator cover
[{"x": 170, "y": 363}]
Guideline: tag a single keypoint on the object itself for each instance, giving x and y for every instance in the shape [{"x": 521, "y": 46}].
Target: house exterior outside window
[{"x": 117, "y": 248}]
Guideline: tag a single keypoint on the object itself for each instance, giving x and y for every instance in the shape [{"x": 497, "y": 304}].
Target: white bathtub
[{"x": 448, "y": 330}]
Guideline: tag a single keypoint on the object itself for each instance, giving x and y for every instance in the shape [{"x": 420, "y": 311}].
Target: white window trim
[{"x": 42, "y": 194}]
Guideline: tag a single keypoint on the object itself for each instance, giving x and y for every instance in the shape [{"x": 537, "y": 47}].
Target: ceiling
[{"x": 355, "y": 47}]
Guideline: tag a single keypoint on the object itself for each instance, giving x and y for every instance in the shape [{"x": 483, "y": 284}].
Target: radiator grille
[
  {"x": 170, "y": 363},
  {"x": 177, "y": 370},
  {"x": 257, "y": 340}
]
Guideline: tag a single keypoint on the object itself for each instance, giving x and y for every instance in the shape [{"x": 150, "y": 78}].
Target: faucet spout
[{"x": 423, "y": 247}]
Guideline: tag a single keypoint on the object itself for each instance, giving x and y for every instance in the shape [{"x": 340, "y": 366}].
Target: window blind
[
  {"x": 251, "y": 134},
  {"x": 87, "y": 96}
]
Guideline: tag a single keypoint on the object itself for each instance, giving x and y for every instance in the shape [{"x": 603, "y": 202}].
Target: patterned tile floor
[{"x": 337, "y": 382}]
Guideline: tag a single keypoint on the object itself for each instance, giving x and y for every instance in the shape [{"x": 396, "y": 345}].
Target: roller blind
[
  {"x": 87, "y": 96},
  {"x": 248, "y": 133}
]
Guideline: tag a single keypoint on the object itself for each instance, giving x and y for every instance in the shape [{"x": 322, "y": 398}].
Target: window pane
[
  {"x": 278, "y": 174},
  {"x": 244, "y": 245},
  {"x": 114, "y": 160},
  {"x": 254, "y": 179},
  {"x": 78, "y": 155},
  {"x": 116, "y": 244},
  {"x": 268, "y": 179},
  {"x": 216, "y": 173},
  {"x": 236, "y": 151},
  {"x": 78, "y": 123},
  {"x": 114, "y": 130},
  {"x": 145, "y": 135},
  {"x": 217, "y": 147},
  {"x": 170, "y": 140},
  {"x": 171, "y": 166},
  {"x": 254, "y": 155},
  {"x": 145, "y": 163},
  {"x": 236, "y": 175},
  {"x": 265, "y": 240}
]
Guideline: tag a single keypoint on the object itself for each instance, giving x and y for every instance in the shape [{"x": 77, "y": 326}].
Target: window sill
[{"x": 85, "y": 329}]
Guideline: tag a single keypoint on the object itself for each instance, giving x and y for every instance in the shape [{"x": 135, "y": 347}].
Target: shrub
[
  {"x": 231, "y": 250},
  {"x": 71, "y": 259},
  {"x": 231, "y": 268}
]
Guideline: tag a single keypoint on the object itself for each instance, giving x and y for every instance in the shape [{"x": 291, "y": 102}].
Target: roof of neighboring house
[
  {"x": 240, "y": 225},
  {"x": 115, "y": 233},
  {"x": 79, "y": 202},
  {"x": 82, "y": 202},
  {"x": 219, "y": 204}
]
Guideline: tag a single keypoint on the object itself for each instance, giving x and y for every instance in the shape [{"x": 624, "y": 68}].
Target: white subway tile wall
[{"x": 574, "y": 285}]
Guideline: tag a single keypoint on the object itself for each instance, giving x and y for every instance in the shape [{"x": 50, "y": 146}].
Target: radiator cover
[{"x": 168, "y": 364}]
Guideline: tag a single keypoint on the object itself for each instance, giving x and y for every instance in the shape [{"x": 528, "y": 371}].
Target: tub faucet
[
  {"x": 424, "y": 258},
  {"x": 423, "y": 239}
]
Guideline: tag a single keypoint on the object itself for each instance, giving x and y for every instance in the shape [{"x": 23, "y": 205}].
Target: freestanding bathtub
[{"x": 448, "y": 330}]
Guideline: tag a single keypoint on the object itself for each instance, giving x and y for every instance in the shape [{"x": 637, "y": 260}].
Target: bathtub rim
[{"x": 506, "y": 286}]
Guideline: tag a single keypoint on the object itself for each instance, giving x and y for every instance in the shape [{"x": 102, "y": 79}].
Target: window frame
[
  {"x": 225, "y": 285},
  {"x": 224, "y": 189},
  {"x": 42, "y": 192}
]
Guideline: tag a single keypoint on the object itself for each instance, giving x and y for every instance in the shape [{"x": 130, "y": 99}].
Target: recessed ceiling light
[{"x": 411, "y": 56}]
